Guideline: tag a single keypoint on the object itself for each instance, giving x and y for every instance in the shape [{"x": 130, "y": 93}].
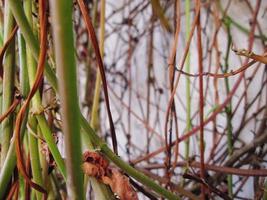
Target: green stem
[
  {"x": 1, "y": 28},
  {"x": 7, "y": 169},
  {"x": 146, "y": 181},
  {"x": 34, "y": 156},
  {"x": 10, "y": 162},
  {"x": 136, "y": 174},
  {"x": 49, "y": 139},
  {"x": 8, "y": 84},
  {"x": 95, "y": 118},
  {"x": 21, "y": 187},
  {"x": 37, "y": 102},
  {"x": 228, "y": 109},
  {"x": 66, "y": 66},
  {"x": 33, "y": 143},
  {"x": 242, "y": 28},
  {"x": 229, "y": 20},
  {"x": 31, "y": 40},
  {"x": 24, "y": 79},
  {"x": 187, "y": 68}
]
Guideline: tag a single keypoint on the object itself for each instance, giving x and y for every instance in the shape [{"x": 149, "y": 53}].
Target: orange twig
[{"x": 11, "y": 108}]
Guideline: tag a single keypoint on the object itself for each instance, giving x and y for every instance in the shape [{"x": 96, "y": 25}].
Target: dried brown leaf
[
  {"x": 95, "y": 165},
  {"x": 120, "y": 185}
]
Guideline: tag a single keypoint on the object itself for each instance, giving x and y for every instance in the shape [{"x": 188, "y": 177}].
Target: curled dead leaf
[
  {"x": 95, "y": 165},
  {"x": 120, "y": 185},
  {"x": 93, "y": 170},
  {"x": 95, "y": 158}
]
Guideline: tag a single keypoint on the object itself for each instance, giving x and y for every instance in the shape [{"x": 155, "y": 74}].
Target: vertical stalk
[
  {"x": 228, "y": 108},
  {"x": 21, "y": 187},
  {"x": 24, "y": 79},
  {"x": 100, "y": 190},
  {"x": 187, "y": 69},
  {"x": 149, "y": 78},
  {"x": 34, "y": 156},
  {"x": 66, "y": 66},
  {"x": 8, "y": 83},
  {"x": 10, "y": 161},
  {"x": 95, "y": 109},
  {"x": 37, "y": 102},
  {"x": 24, "y": 87},
  {"x": 33, "y": 143},
  {"x": 1, "y": 29},
  {"x": 31, "y": 40},
  {"x": 201, "y": 103}
]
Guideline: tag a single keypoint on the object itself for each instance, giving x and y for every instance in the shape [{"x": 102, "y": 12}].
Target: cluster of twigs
[
  {"x": 226, "y": 111},
  {"x": 183, "y": 95}
]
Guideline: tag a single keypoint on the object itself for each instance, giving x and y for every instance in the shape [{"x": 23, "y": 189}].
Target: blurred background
[{"x": 144, "y": 54}]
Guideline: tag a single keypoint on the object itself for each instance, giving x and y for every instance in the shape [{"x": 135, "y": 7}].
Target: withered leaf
[{"x": 95, "y": 165}]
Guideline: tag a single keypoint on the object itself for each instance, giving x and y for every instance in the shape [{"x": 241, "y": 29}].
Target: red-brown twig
[
  {"x": 94, "y": 42},
  {"x": 11, "y": 109}
]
